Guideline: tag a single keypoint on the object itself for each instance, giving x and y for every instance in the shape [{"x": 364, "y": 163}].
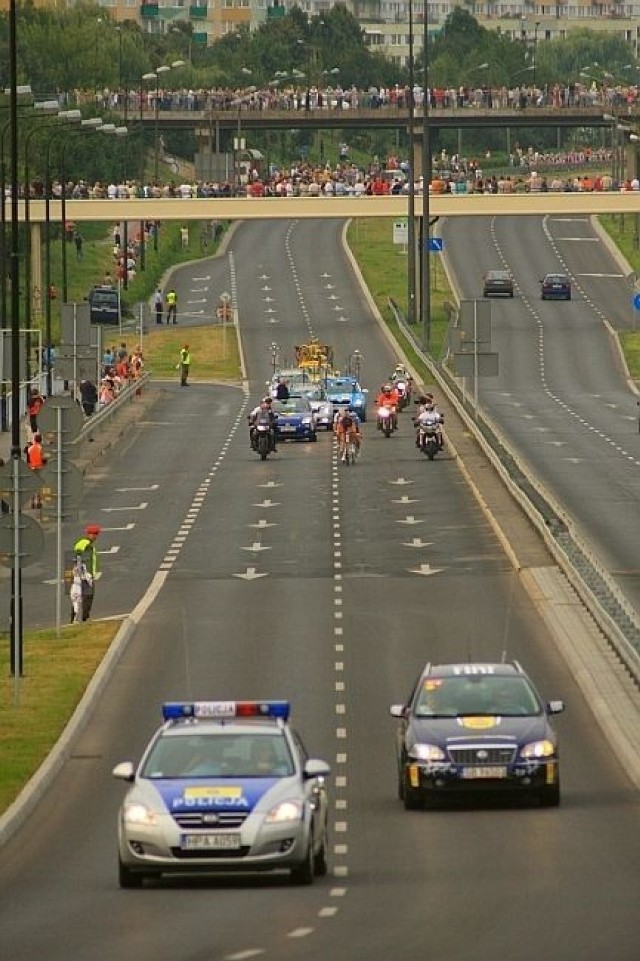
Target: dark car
[
  {"x": 476, "y": 729},
  {"x": 104, "y": 305},
  {"x": 295, "y": 419},
  {"x": 556, "y": 287},
  {"x": 497, "y": 282}
]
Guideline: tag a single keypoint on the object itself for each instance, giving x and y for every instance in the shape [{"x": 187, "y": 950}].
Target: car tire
[
  {"x": 129, "y": 879},
  {"x": 320, "y": 866},
  {"x": 511, "y": 294},
  {"x": 549, "y": 797},
  {"x": 413, "y": 799},
  {"x": 313, "y": 438},
  {"x": 303, "y": 873}
]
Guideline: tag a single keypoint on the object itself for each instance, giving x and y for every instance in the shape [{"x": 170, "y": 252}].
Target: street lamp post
[
  {"x": 425, "y": 275},
  {"x": 155, "y": 75},
  {"x": 411, "y": 225},
  {"x": 535, "y": 52}
]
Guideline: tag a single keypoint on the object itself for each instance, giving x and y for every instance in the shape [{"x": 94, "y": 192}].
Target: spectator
[
  {"x": 88, "y": 396},
  {"x": 172, "y": 306},
  {"x": 36, "y": 401},
  {"x": 77, "y": 239},
  {"x": 158, "y": 305}
]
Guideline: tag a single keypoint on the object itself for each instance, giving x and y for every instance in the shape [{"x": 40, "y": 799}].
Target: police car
[
  {"x": 223, "y": 786},
  {"x": 474, "y": 729},
  {"x": 347, "y": 392}
]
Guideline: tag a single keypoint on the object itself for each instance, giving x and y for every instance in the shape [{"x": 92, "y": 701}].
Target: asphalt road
[
  {"x": 298, "y": 578},
  {"x": 560, "y": 396}
]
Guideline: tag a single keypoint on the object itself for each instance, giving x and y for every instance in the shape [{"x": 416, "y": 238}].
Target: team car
[
  {"x": 497, "y": 282},
  {"x": 347, "y": 392},
  {"x": 223, "y": 786},
  {"x": 475, "y": 729},
  {"x": 555, "y": 287},
  {"x": 320, "y": 404},
  {"x": 295, "y": 419}
]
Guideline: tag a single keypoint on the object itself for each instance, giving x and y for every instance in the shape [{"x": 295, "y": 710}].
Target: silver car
[
  {"x": 321, "y": 406},
  {"x": 223, "y": 786}
]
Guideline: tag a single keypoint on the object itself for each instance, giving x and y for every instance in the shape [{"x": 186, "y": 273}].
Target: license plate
[
  {"x": 476, "y": 773},
  {"x": 210, "y": 842},
  {"x": 288, "y": 429}
]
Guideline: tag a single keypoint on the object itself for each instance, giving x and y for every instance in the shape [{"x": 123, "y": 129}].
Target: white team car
[{"x": 223, "y": 786}]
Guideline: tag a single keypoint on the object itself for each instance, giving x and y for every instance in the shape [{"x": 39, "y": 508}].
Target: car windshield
[
  {"x": 232, "y": 755},
  {"x": 556, "y": 279},
  {"x": 336, "y": 385},
  {"x": 294, "y": 405},
  {"x": 311, "y": 393},
  {"x": 477, "y": 694},
  {"x": 498, "y": 275}
]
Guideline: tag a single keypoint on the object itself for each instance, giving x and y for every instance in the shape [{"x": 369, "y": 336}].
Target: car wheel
[
  {"x": 320, "y": 866},
  {"x": 568, "y": 296},
  {"x": 413, "y": 799},
  {"x": 303, "y": 873},
  {"x": 128, "y": 878},
  {"x": 511, "y": 294},
  {"x": 313, "y": 437},
  {"x": 549, "y": 797}
]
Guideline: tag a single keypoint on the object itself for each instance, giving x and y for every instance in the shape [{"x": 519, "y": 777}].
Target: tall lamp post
[
  {"x": 425, "y": 274},
  {"x": 411, "y": 225},
  {"x": 535, "y": 52},
  {"x": 155, "y": 76}
]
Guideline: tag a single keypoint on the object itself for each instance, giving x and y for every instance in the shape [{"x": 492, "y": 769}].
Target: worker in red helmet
[{"x": 86, "y": 553}]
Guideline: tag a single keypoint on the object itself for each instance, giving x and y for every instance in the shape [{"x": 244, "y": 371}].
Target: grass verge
[
  {"x": 624, "y": 230},
  {"x": 34, "y": 710},
  {"x": 214, "y": 352}
]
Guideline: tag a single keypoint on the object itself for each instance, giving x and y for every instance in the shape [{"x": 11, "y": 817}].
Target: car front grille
[
  {"x": 481, "y": 754},
  {"x": 202, "y": 819},
  {"x": 227, "y": 854}
]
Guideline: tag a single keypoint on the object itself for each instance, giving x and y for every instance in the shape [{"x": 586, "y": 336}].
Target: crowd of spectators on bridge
[{"x": 296, "y": 97}]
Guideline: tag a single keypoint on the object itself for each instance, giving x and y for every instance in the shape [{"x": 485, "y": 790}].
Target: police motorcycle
[
  {"x": 402, "y": 384},
  {"x": 428, "y": 424},
  {"x": 262, "y": 433}
]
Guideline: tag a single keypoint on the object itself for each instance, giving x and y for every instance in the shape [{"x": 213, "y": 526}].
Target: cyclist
[{"x": 347, "y": 428}]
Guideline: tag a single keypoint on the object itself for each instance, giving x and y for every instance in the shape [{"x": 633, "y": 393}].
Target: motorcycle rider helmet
[{"x": 386, "y": 389}]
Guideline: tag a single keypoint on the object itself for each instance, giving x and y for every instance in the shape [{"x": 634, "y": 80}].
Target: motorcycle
[
  {"x": 428, "y": 440},
  {"x": 385, "y": 420},
  {"x": 262, "y": 440},
  {"x": 403, "y": 395}
]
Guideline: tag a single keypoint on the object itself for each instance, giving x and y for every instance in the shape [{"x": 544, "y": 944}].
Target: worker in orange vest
[{"x": 36, "y": 460}]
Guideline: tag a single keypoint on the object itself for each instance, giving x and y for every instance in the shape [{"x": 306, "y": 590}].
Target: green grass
[
  {"x": 34, "y": 710},
  {"x": 624, "y": 230},
  {"x": 214, "y": 352}
]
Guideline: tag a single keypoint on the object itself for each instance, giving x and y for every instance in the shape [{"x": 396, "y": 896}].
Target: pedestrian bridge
[{"x": 275, "y": 208}]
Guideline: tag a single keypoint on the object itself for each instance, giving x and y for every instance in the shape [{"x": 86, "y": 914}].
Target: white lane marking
[
  {"x": 405, "y": 500},
  {"x": 251, "y": 574},
  {"x": 255, "y": 547},
  {"x": 112, "y": 550},
  {"x": 127, "y": 527},
  {"x": 200, "y": 280},
  {"x": 327, "y": 912},
  {"x": 262, "y": 524},
  {"x": 200, "y": 300},
  {"x": 410, "y": 519},
  {"x": 267, "y": 503},
  {"x": 426, "y": 570},
  {"x": 400, "y": 481},
  {"x": 139, "y": 507},
  {"x": 417, "y": 542},
  {"x": 271, "y": 484},
  {"x": 581, "y": 240},
  {"x": 199, "y": 290},
  {"x": 300, "y": 933},
  {"x": 244, "y": 955},
  {"x": 124, "y": 490},
  {"x": 601, "y": 275}
]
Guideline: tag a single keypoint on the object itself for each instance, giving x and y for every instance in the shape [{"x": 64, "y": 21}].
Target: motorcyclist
[
  {"x": 388, "y": 397},
  {"x": 346, "y": 426},
  {"x": 263, "y": 413},
  {"x": 428, "y": 416}
]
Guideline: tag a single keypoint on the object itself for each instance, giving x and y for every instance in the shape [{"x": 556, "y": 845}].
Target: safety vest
[
  {"x": 85, "y": 548},
  {"x": 35, "y": 457},
  {"x": 185, "y": 356},
  {"x": 172, "y": 298}
]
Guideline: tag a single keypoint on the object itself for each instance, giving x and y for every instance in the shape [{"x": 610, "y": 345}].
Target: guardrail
[
  {"x": 611, "y": 610},
  {"x": 104, "y": 414}
]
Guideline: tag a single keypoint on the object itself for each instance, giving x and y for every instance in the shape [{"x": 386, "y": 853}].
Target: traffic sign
[
  {"x": 72, "y": 481},
  {"x": 28, "y": 481},
  {"x": 436, "y": 244},
  {"x": 71, "y": 421},
  {"x": 31, "y": 539},
  {"x": 401, "y": 232}
]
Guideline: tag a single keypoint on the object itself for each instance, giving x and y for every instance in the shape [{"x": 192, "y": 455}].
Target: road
[
  {"x": 561, "y": 397},
  {"x": 297, "y": 578}
]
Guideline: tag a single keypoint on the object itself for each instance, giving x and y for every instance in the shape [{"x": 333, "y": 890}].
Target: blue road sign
[
  {"x": 436, "y": 244},
  {"x": 636, "y": 301}
]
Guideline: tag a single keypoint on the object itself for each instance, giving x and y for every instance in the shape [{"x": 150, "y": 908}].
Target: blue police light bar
[{"x": 179, "y": 710}]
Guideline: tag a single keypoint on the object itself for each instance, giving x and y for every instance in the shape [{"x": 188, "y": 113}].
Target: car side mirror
[
  {"x": 397, "y": 710},
  {"x": 555, "y": 707},
  {"x": 125, "y": 771},
  {"x": 316, "y": 768}
]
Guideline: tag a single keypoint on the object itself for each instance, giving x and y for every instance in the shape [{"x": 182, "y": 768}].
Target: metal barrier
[
  {"x": 612, "y": 611},
  {"x": 104, "y": 414}
]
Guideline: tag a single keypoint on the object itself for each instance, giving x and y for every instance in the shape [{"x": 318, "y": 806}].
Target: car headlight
[
  {"x": 137, "y": 813},
  {"x": 285, "y": 811},
  {"x": 538, "y": 749},
  {"x": 427, "y": 752},
  {"x": 306, "y": 420}
]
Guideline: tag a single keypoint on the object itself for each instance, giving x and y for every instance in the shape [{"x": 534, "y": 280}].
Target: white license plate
[
  {"x": 288, "y": 429},
  {"x": 476, "y": 773},
  {"x": 210, "y": 842}
]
